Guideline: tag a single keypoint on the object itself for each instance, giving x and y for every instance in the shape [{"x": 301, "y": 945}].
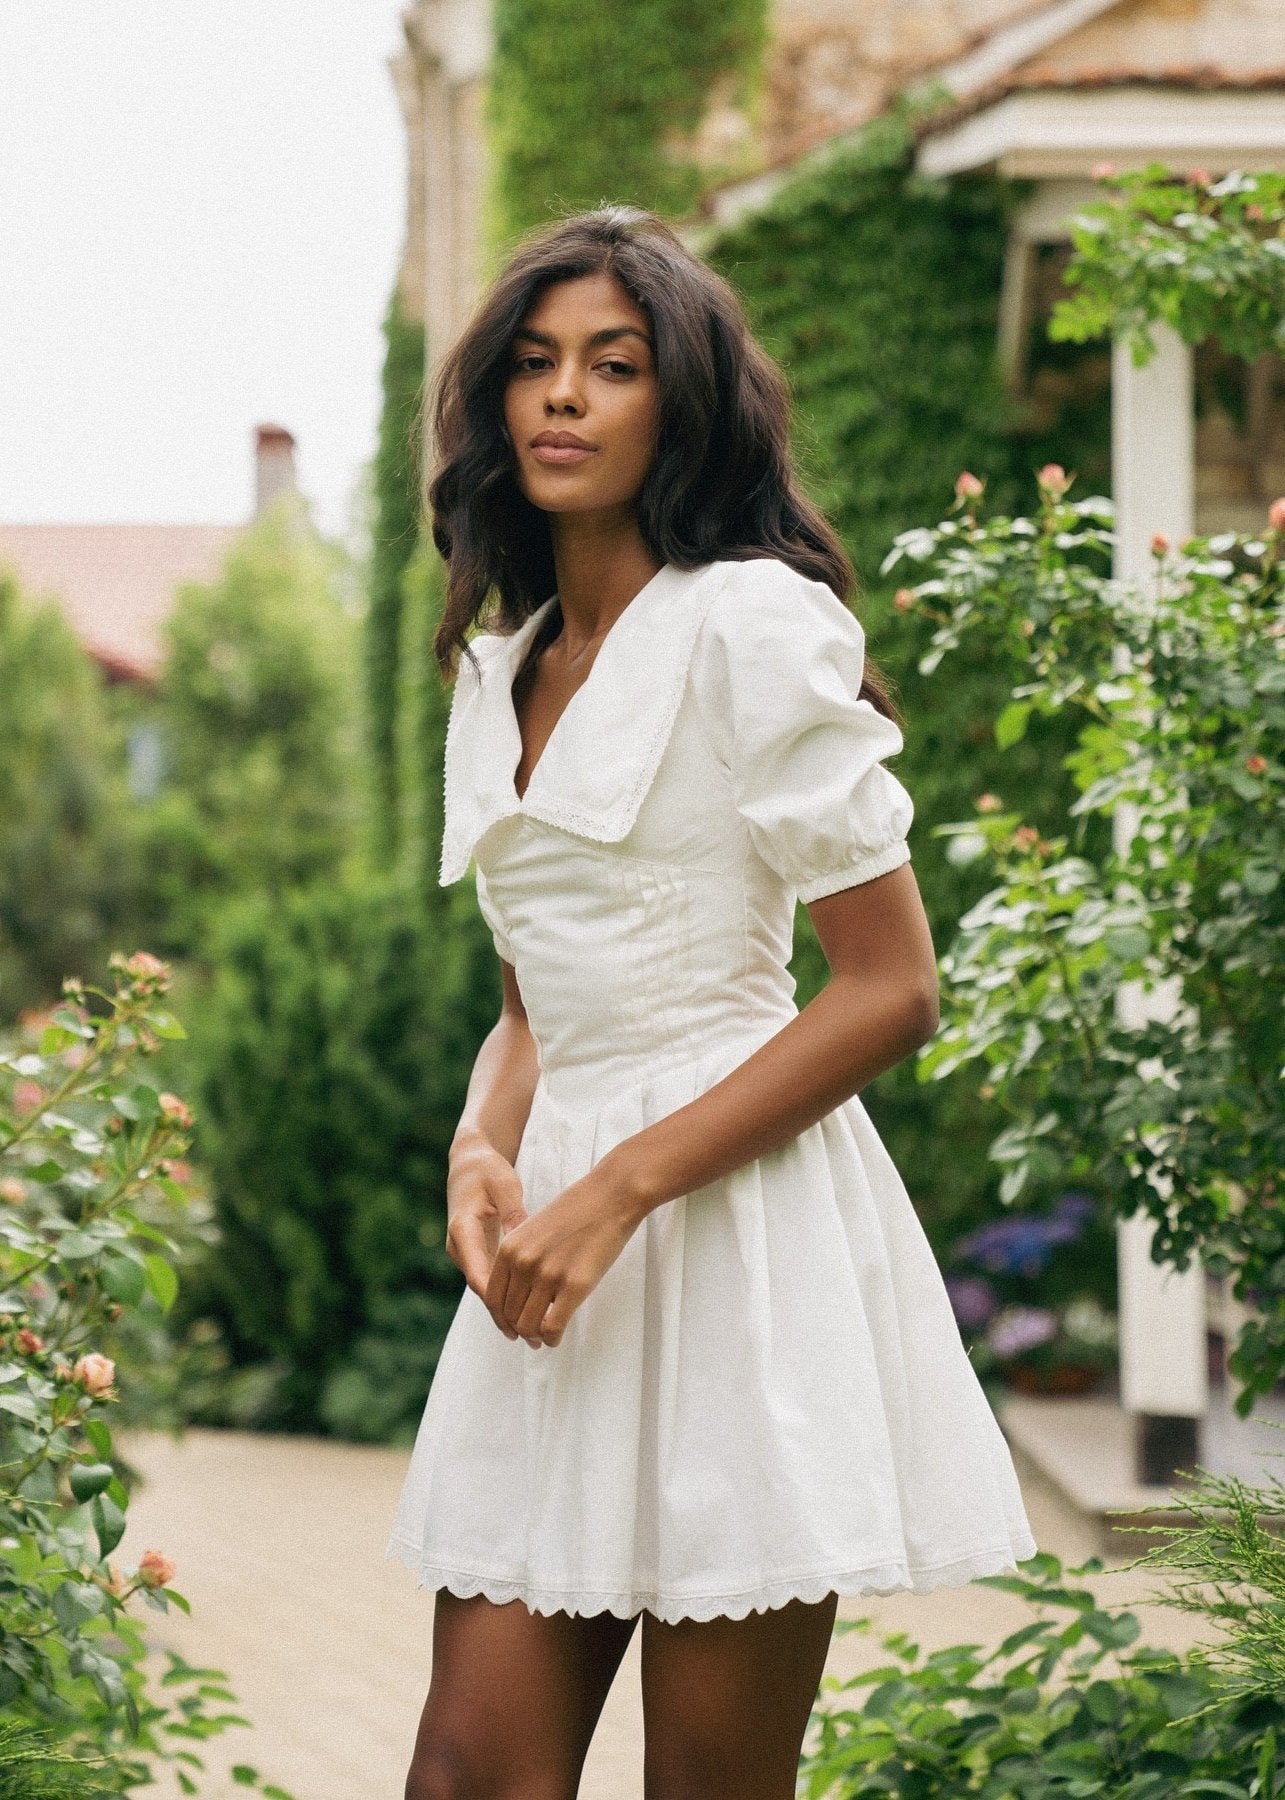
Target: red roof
[{"x": 115, "y": 584}]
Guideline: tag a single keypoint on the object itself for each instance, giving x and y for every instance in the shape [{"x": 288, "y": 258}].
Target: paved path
[{"x": 279, "y": 1547}]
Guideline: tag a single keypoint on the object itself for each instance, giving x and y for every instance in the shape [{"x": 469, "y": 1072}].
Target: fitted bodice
[
  {"x": 716, "y": 764},
  {"x": 635, "y": 955}
]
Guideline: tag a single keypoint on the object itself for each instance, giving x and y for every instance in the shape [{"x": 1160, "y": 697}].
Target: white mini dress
[{"x": 766, "y": 1397}]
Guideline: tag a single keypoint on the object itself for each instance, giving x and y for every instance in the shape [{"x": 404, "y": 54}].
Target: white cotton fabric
[{"x": 766, "y": 1397}]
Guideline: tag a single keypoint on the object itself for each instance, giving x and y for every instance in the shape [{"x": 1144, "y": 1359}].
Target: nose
[{"x": 563, "y": 396}]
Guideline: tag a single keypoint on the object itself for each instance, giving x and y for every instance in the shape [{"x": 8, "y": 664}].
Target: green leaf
[
  {"x": 161, "y": 1279},
  {"x": 123, "y": 1279},
  {"x": 1010, "y": 726},
  {"x": 109, "y": 1522},
  {"x": 165, "y": 1025},
  {"x": 88, "y": 1479},
  {"x": 99, "y": 1436}
]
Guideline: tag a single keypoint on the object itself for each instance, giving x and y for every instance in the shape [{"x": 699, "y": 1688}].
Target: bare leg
[
  {"x": 513, "y": 1700},
  {"x": 726, "y": 1702}
]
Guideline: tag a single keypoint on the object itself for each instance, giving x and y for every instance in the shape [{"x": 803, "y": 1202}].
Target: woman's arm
[
  {"x": 879, "y": 1004},
  {"x": 483, "y": 1192}
]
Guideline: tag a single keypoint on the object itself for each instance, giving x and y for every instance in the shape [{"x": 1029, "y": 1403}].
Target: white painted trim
[{"x": 1065, "y": 131}]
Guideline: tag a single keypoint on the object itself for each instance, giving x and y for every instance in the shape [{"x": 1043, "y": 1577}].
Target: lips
[{"x": 560, "y": 447}]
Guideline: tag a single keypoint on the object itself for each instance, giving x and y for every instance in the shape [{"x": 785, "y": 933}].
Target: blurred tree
[
  {"x": 65, "y": 887},
  {"x": 259, "y": 711}
]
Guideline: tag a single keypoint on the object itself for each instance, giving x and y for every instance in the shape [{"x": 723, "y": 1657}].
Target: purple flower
[
  {"x": 1021, "y": 1328},
  {"x": 1022, "y": 1243},
  {"x": 973, "y": 1300}
]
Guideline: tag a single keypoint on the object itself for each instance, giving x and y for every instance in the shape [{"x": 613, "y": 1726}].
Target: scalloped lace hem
[{"x": 875, "y": 1578}]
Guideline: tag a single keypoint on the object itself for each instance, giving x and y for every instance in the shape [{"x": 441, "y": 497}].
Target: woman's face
[{"x": 581, "y": 403}]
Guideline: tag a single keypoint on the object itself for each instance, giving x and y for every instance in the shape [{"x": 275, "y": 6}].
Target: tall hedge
[
  {"x": 878, "y": 290},
  {"x": 330, "y": 1055}
]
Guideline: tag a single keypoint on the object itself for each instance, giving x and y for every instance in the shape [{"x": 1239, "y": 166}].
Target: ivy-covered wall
[
  {"x": 591, "y": 102},
  {"x": 395, "y": 530},
  {"x": 878, "y": 291}
]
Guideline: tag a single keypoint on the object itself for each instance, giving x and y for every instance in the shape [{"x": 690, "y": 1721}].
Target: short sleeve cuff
[{"x": 882, "y": 863}]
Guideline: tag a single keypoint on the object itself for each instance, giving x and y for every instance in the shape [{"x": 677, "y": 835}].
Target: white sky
[{"x": 202, "y": 208}]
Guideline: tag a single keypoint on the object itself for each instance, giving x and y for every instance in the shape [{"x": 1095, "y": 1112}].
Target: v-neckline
[{"x": 531, "y": 628}]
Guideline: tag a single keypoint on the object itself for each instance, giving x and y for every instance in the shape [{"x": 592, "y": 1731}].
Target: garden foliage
[
  {"x": 331, "y": 1052},
  {"x": 64, "y": 884},
  {"x": 259, "y": 713},
  {"x": 1069, "y": 1706},
  {"x": 1178, "y": 691},
  {"x": 88, "y": 1196}
]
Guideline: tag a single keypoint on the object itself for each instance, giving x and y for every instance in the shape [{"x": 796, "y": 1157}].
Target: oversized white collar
[{"x": 602, "y": 756}]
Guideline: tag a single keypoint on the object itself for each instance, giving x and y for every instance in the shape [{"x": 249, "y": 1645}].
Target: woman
[{"x": 705, "y": 1372}]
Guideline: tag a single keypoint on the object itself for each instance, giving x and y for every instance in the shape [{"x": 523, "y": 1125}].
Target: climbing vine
[
  {"x": 394, "y": 533},
  {"x": 591, "y": 101},
  {"x": 878, "y": 290}
]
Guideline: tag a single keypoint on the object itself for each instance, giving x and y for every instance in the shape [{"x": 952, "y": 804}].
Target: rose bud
[
  {"x": 1276, "y": 514},
  {"x": 1026, "y": 837},
  {"x": 1159, "y": 543},
  {"x": 95, "y": 1373},
  {"x": 1053, "y": 478},
  {"x": 154, "y": 1569},
  {"x": 988, "y": 803},
  {"x": 27, "y": 1341},
  {"x": 1257, "y": 765},
  {"x": 967, "y": 486},
  {"x": 174, "y": 1108},
  {"x": 904, "y": 599}
]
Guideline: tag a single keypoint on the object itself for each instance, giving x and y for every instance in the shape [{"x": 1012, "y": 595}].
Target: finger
[
  {"x": 518, "y": 1291},
  {"x": 497, "y": 1289},
  {"x": 466, "y": 1243},
  {"x": 565, "y": 1302},
  {"x": 538, "y": 1301}
]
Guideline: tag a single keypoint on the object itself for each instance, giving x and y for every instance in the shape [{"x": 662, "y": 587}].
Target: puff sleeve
[
  {"x": 490, "y": 912},
  {"x": 778, "y": 670}
]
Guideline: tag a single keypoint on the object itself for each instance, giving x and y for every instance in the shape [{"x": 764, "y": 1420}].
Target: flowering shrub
[
  {"x": 87, "y": 1186},
  {"x": 1181, "y": 1115}
]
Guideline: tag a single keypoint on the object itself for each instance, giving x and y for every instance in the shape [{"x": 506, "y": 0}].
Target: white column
[{"x": 1162, "y": 1312}]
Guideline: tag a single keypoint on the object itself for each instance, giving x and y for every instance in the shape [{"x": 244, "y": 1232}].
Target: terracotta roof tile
[{"x": 1045, "y": 76}]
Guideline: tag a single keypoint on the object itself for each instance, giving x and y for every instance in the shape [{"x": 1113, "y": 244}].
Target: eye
[
  {"x": 618, "y": 366},
  {"x": 523, "y": 364}
]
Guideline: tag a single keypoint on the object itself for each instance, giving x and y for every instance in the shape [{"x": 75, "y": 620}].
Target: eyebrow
[{"x": 607, "y": 335}]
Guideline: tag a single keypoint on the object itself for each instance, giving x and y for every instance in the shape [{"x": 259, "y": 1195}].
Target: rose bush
[
  {"x": 88, "y": 1201},
  {"x": 1181, "y": 690}
]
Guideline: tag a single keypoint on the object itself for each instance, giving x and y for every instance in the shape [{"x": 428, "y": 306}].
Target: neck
[{"x": 601, "y": 563}]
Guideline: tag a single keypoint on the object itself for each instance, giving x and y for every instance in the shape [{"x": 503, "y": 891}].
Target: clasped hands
[{"x": 532, "y": 1271}]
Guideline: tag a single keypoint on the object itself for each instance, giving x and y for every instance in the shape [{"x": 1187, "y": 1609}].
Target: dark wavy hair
[{"x": 722, "y": 485}]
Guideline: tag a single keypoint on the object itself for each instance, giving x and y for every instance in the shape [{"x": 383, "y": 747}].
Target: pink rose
[
  {"x": 1159, "y": 543},
  {"x": 177, "y": 1110},
  {"x": 1026, "y": 837},
  {"x": 967, "y": 486},
  {"x": 95, "y": 1373},
  {"x": 904, "y": 599},
  {"x": 1257, "y": 765},
  {"x": 1276, "y": 514},
  {"x": 1053, "y": 478},
  {"x": 1199, "y": 177},
  {"x": 154, "y": 1569},
  {"x": 27, "y": 1341},
  {"x": 989, "y": 803}
]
